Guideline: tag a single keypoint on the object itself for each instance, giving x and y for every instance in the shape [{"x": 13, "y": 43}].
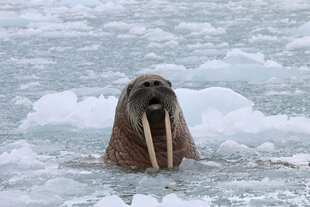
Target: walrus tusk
[
  {"x": 169, "y": 140},
  {"x": 149, "y": 141}
]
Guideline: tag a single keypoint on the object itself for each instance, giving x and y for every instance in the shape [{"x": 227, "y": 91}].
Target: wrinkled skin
[{"x": 127, "y": 146}]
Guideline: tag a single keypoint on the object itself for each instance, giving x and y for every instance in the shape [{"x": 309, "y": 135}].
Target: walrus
[{"x": 149, "y": 128}]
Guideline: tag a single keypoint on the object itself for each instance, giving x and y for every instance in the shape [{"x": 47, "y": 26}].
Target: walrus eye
[
  {"x": 169, "y": 83},
  {"x": 129, "y": 88}
]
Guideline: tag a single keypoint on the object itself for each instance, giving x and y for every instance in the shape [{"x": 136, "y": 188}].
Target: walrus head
[
  {"x": 152, "y": 102},
  {"x": 149, "y": 127}
]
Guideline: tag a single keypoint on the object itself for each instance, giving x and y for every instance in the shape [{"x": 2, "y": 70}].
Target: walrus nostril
[
  {"x": 147, "y": 84},
  {"x": 156, "y": 83}
]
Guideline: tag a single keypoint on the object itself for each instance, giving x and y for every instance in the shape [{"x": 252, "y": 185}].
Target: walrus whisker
[
  {"x": 149, "y": 141},
  {"x": 169, "y": 140}
]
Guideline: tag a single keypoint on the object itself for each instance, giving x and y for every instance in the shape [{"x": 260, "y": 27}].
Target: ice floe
[
  {"x": 146, "y": 200},
  {"x": 299, "y": 43},
  {"x": 63, "y": 108},
  {"x": 237, "y": 65},
  {"x": 21, "y": 155},
  {"x": 197, "y": 28},
  {"x": 209, "y": 112},
  {"x": 232, "y": 147},
  {"x": 20, "y": 100}
]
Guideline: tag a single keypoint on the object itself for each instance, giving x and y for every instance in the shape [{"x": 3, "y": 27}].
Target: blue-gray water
[{"x": 96, "y": 47}]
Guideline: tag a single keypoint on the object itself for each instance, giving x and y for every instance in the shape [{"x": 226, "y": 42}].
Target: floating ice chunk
[
  {"x": 198, "y": 28},
  {"x": 161, "y": 68},
  {"x": 33, "y": 61},
  {"x": 159, "y": 35},
  {"x": 170, "y": 43},
  {"x": 299, "y": 43},
  {"x": 137, "y": 30},
  {"x": 213, "y": 64},
  {"x": 22, "y": 155},
  {"x": 246, "y": 120},
  {"x": 297, "y": 159},
  {"x": 305, "y": 29},
  {"x": 117, "y": 25},
  {"x": 142, "y": 200},
  {"x": 237, "y": 56},
  {"x": 152, "y": 56},
  {"x": 15, "y": 20},
  {"x": 90, "y": 48},
  {"x": 124, "y": 36},
  {"x": 231, "y": 147},
  {"x": 111, "y": 201},
  {"x": 272, "y": 64},
  {"x": 146, "y": 200},
  {"x": 109, "y": 6},
  {"x": 63, "y": 109},
  {"x": 29, "y": 85},
  {"x": 284, "y": 93},
  {"x": 237, "y": 65},
  {"x": 260, "y": 37},
  {"x": 81, "y": 2},
  {"x": 266, "y": 147},
  {"x": 20, "y": 100},
  {"x": 256, "y": 185},
  {"x": 201, "y": 165},
  {"x": 61, "y": 187},
  {"x": 195, "y": 102}
]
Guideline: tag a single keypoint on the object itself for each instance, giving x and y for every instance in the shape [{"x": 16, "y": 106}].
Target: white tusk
[
  {"x": 149, "y": 141},
  {"x": 169, "y": 140}
]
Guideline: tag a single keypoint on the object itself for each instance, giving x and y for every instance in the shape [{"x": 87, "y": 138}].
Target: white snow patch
[{"x": 63, "y": 109}]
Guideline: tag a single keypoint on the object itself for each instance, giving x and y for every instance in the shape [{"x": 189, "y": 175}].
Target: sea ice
[
  {"x": 299, "y": 43},
  {"x": 237, "y": 65},
  {"x": 20, "y": 100},
  {"x": 21, "y": 155},
  {"x": 146, "y": 200},
  {"x": 63, "y": 108},
  {"x": 304, "y": 29},
  {"x": 231, "y": 147},
  {"x": 197, "y": 28},
  {"x": 159, "y": 35},
  {"x": 209, "y": 112}
]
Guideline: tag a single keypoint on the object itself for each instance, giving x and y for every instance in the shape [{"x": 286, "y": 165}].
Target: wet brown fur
[{"x": 127, "y": 146}]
